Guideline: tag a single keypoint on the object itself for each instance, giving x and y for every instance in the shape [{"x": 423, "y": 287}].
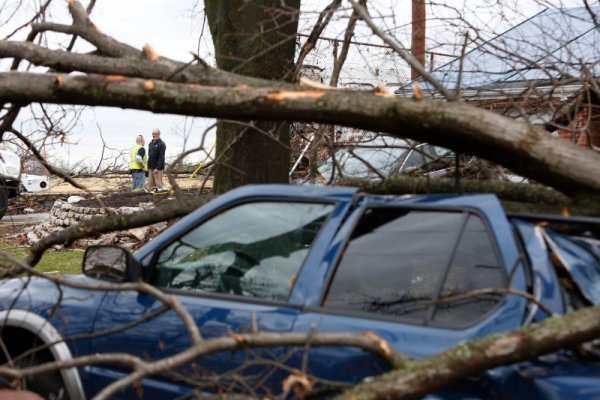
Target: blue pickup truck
[{"x": 277, "y": 258}]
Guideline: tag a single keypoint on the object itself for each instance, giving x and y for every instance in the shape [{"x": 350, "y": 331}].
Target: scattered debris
[
  {"x": 75, "y": 199},
  {"x": 139, "y": 233},
  {"x": 65, "y": 209},
  {"x": 64, "y": 214}
]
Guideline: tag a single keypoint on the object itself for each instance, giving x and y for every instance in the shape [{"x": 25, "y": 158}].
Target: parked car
[
  {"x": 384, "y": 157},
  {"x": 280, "y": 258}
]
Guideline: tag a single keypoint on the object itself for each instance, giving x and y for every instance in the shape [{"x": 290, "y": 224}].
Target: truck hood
[{"x": 580, "y": 258}]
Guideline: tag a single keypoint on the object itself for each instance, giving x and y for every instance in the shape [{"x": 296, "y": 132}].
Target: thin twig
[
  {"x": 478, "y": 292},
  {"x": 339, "y": 62},
  {"x": 461, "y": 62},
  {"x": 322, "y": 22},
  {"x": 40, "y": 157}
]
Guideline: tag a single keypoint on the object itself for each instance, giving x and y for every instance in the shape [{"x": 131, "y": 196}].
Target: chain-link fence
[{"x": 366, "y": 64}]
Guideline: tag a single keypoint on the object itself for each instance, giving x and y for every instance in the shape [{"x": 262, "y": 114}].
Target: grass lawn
[{"x": 53, "y": 261}]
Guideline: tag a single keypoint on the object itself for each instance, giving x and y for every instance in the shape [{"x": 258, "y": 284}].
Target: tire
[
  {"x": 48, "y": 385},
  {"x": 19, "y": 344}
]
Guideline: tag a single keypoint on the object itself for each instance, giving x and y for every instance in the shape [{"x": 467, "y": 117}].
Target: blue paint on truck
[{"x": 423, "y": 273}]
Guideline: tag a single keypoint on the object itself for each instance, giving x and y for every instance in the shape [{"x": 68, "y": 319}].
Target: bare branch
[
  {"x": 507, "y": 290},
  {"x": 37, "y": 15},
  {"x": 40, "y": 157},
  {"x": 320, "y": 25},
  {"x": 339, "y": 62}
]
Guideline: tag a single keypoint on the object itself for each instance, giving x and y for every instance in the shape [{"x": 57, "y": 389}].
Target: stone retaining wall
[{"x": 65, "y": 214}]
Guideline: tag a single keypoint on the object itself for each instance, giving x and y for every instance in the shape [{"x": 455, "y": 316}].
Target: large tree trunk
[{"x": 256, "y": 39}]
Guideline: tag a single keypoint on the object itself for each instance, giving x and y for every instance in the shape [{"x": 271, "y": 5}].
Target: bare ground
[
  {"x": 111, "y": 191},
  {"x": 108, "y": 192},
  {"x": 118, "y": 183}
]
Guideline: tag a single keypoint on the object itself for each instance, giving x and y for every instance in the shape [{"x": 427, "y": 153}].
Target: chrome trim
[{"x": 48, "y": 334}]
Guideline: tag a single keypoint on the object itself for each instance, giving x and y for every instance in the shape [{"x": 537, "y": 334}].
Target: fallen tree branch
[
  {"x": 515, "y": 197},
  {"x": 531, "y": 193},
  {"x": 414, "y": 379},
  {"x": 454, "y": 125},
  {"x": 64, "y": 61}
]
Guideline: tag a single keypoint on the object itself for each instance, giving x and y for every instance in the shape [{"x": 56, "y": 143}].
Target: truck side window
[
  {"x": 253, "y": 249},
  {"x": 400, "y": 262}
]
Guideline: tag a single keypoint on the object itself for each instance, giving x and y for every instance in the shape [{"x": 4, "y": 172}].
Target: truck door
[
  {"x": 235, "y": 272},
  {"x": 422, "y": 273}
]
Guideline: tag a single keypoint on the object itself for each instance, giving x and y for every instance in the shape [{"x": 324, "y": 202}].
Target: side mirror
[{"x": 110, "y": 263}]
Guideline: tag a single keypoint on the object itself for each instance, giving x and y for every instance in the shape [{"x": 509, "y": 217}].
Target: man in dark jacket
[{"x": 156, "y": 161}]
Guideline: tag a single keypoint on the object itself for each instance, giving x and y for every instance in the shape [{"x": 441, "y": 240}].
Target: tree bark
[
  {"x": 520, "y": 192},
  {"x": 255, "y": 39}
]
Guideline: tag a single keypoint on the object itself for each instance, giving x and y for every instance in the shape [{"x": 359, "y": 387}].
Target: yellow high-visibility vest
[{"x": 134, "y": 164}]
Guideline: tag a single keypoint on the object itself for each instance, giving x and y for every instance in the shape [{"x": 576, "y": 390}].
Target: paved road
[{"x": 25, "y": 218}]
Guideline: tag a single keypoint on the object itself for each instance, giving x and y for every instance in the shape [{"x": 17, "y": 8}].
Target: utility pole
[{"x": 418, "y": 34}]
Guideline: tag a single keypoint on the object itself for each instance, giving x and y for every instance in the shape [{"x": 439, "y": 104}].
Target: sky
[
  {"x": 174, "y": 27},
  {"x": 173, "y": 31}
]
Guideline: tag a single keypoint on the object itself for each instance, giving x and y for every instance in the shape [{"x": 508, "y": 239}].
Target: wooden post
[
  {"x": 594, "y": 127},
  {"x": 418, "y": 34}
]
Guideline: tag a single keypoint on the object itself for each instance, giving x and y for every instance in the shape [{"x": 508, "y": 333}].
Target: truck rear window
[{"x": 420, "y": 266}]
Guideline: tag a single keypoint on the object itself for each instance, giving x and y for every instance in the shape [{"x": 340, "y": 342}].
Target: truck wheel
[
  {"x": 3, "y": 199},
  {"x": 19, "y": 343}
]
